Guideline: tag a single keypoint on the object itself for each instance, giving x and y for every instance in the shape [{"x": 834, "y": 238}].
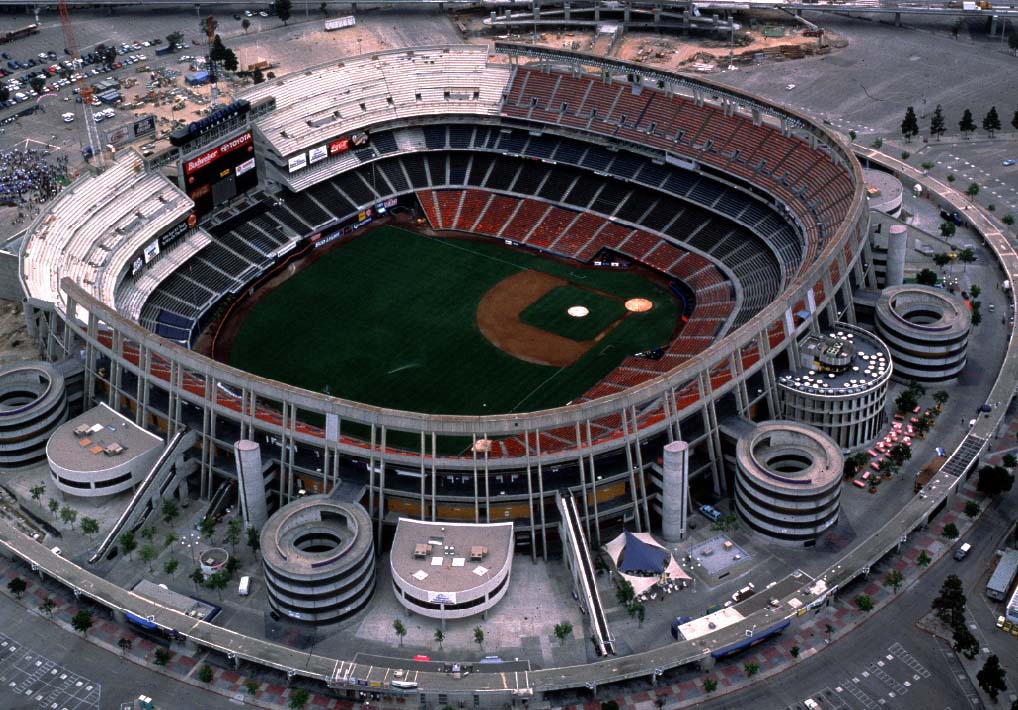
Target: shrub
[
  {"x": 864, "y": 602},
  {"x": 950, "y": 531}
]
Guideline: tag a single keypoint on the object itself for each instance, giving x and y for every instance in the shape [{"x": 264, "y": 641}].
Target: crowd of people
[{"x": 30, "y": 177}]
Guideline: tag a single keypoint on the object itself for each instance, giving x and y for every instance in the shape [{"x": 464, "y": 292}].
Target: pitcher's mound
[
  {"x": 578, "y": 311},
  {"x": 638, "y": 305}
]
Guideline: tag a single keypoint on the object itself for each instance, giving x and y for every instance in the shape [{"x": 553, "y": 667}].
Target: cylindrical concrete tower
[
  {"x": 675, "y": 491},
  {"x": 897, "y": 241},
  {"x": 253, "y": 507}
]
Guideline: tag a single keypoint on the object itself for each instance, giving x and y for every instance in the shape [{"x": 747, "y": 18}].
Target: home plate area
[{"x": 40, "y": 681}]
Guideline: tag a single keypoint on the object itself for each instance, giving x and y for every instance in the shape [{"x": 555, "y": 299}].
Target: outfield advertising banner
[
  {"x": 297, "y": 162},
  {"x": 221, "y": 173},
  {"x": 320, "y": 239},
  {"x": 151, "y": 251},
  {"x": 146, "y": 125}
]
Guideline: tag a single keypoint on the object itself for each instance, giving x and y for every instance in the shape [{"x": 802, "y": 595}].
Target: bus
[{"x": 26, "y": 31}]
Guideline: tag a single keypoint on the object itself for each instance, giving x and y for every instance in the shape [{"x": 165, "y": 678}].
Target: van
[
  {"x": 245, "y": 586},
  {"x": 962, "y": 551}
]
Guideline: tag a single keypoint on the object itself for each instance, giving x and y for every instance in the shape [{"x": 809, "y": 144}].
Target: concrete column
[
  {"x": 675, "y": 491},
  {"x": 248, "y": 460},
  {"x": 897, "y": 241}
]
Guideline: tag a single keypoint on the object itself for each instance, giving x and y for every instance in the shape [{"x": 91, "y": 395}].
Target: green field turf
[
  {"x": 550, "y": 312},
  {"x": 389, "y": 319}
]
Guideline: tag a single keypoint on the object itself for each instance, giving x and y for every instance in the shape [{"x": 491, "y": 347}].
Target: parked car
[
  {"x": 68, "y": 117},
  {"x": 1008, "y": 163},
  {"x": 711, "y": 512}
]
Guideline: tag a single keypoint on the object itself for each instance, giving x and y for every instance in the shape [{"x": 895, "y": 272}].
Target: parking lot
[
  {"x": 40, "y": 682},
  {"x": 883, "y": 681}
]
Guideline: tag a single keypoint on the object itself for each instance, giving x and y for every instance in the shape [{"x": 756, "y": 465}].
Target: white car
[
  {"x": 68, "y": 117},
  {"x": 98, "y": 117},
  {"x": 789, "y": 87},
  {"x": 109, "y": 113}
]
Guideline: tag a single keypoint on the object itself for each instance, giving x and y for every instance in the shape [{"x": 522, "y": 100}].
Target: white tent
[{"x": 641, "y": 584}]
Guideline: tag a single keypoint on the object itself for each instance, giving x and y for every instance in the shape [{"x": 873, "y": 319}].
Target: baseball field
[{"x": 453, "y": 326}]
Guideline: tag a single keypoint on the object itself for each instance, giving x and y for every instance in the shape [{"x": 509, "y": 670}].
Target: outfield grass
[
  {"x": 389, "y": 319},
  {"x": 550, "y": 312}
]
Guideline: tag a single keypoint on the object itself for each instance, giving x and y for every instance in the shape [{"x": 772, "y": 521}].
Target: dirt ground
[
  {"x": 14, "y": 341},
  {"x": 498, "y": 317}
]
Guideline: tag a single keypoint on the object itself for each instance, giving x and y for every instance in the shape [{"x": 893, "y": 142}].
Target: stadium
[{"x": 702, "y": 229}]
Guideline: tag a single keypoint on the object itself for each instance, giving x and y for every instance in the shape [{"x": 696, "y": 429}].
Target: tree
[
  {"x": 991, "y": 677},
  {"x": 68, "y": 515},
  {"x": 400, "y": 630},
  {"x": 947, "y": 229},
  {"x": 726, "y": 523},
  {"x": 257, "y": 76},
  {"x": 148, "y": 533},
  {"x": 937, "y": 124},
  {"x": 53, "y": 505},
  {"x": 17, "y": 587},
  {"x": 795, "y": 650},
  {"x": 751, "y": 669},
  {"x": 162, "y": 657},
  {"x": 1014, "y": 119},
  {"x": 253, "y": 539},
  {"x": 971, "y": 509},
  {"x": 941, "y": 260},
  {"x": 479, "y": 636},
  {"x": 941, "y": 397},
  {"x": 909, "y": 125},
  {"x": 439, "y": 638},
  {"x": 5, "y": 93},
  {"x": 926, "y": 278},
  {"x": 562, "y": 631},
  {"x": 128, "y": 542},
  {"x": 975, "y": 290},
  {"x": 197, "y": 576},
  {"x": 251, "y": 687},
  {"x": 170, "y": 566},
  {"x": 966, "y": 256},
  {"x": 299, "y": 698},
  {"x": 169, "y": 538},
  {"x": 994, "y": 480},
  {"x": 966, "y": 125},
  {"x": 949, "y": 605},
  {"x": 246, "y": 24},
  {"x": 230, "y": 62},
  {"x": 205, "y": 673},
  {"x": 965, "y": 642},
  {"x": 38, "y": 490},
  {"x": 38, "y": 83},
  {"x": 47, "y": 606},
  {"x": 894, "y": 580},
  {"x": 853, "y": 463},
  {"x": 233, "y": 529},
  {"x": 174, "y": 38},
  {"x": 950, "y": 531},
  {"x": 900, "y": 453},
  {"x": 125, "y": 645},
  {"x": 218, "y": 582},
  {"x": 991, "y": 121},
  {"x": 1009, "y": 461},
  {"x": 624, "y": 592},
  {"x": 208, "y": 526},
  {"x": 864, "y": 602},
  {"x": 82, "y": 621},
  {"x": 283, "y": 8},
  {"x": 89, "y": 526},
  {"x": 888, "y": 468},
  {"x": 905, "y": 402},
  {"x": 923, "y": 560},
  {"x": 710, "y": 685},
  {"x": 147, "y": 553},
  {"x": 169, "y": 511},
  {"x": 972, "y": 190}
]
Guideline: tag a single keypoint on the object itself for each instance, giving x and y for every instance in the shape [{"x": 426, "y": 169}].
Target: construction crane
[
  {"x": 212, "y": 63},
  {"x": 88, "y": 133}
]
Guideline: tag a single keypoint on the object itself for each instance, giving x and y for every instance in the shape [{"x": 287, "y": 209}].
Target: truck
[
  {"x": 1003, "y": 576},
  {"x": 339, "y": 23},
  {"x": 261, "y": 65}
]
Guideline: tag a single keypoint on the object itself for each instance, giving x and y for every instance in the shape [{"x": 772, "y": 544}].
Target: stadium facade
[{"x": 755, "y": 213}]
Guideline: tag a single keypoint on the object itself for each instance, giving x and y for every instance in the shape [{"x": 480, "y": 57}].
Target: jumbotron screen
[{"x": 221, "y": 173}]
